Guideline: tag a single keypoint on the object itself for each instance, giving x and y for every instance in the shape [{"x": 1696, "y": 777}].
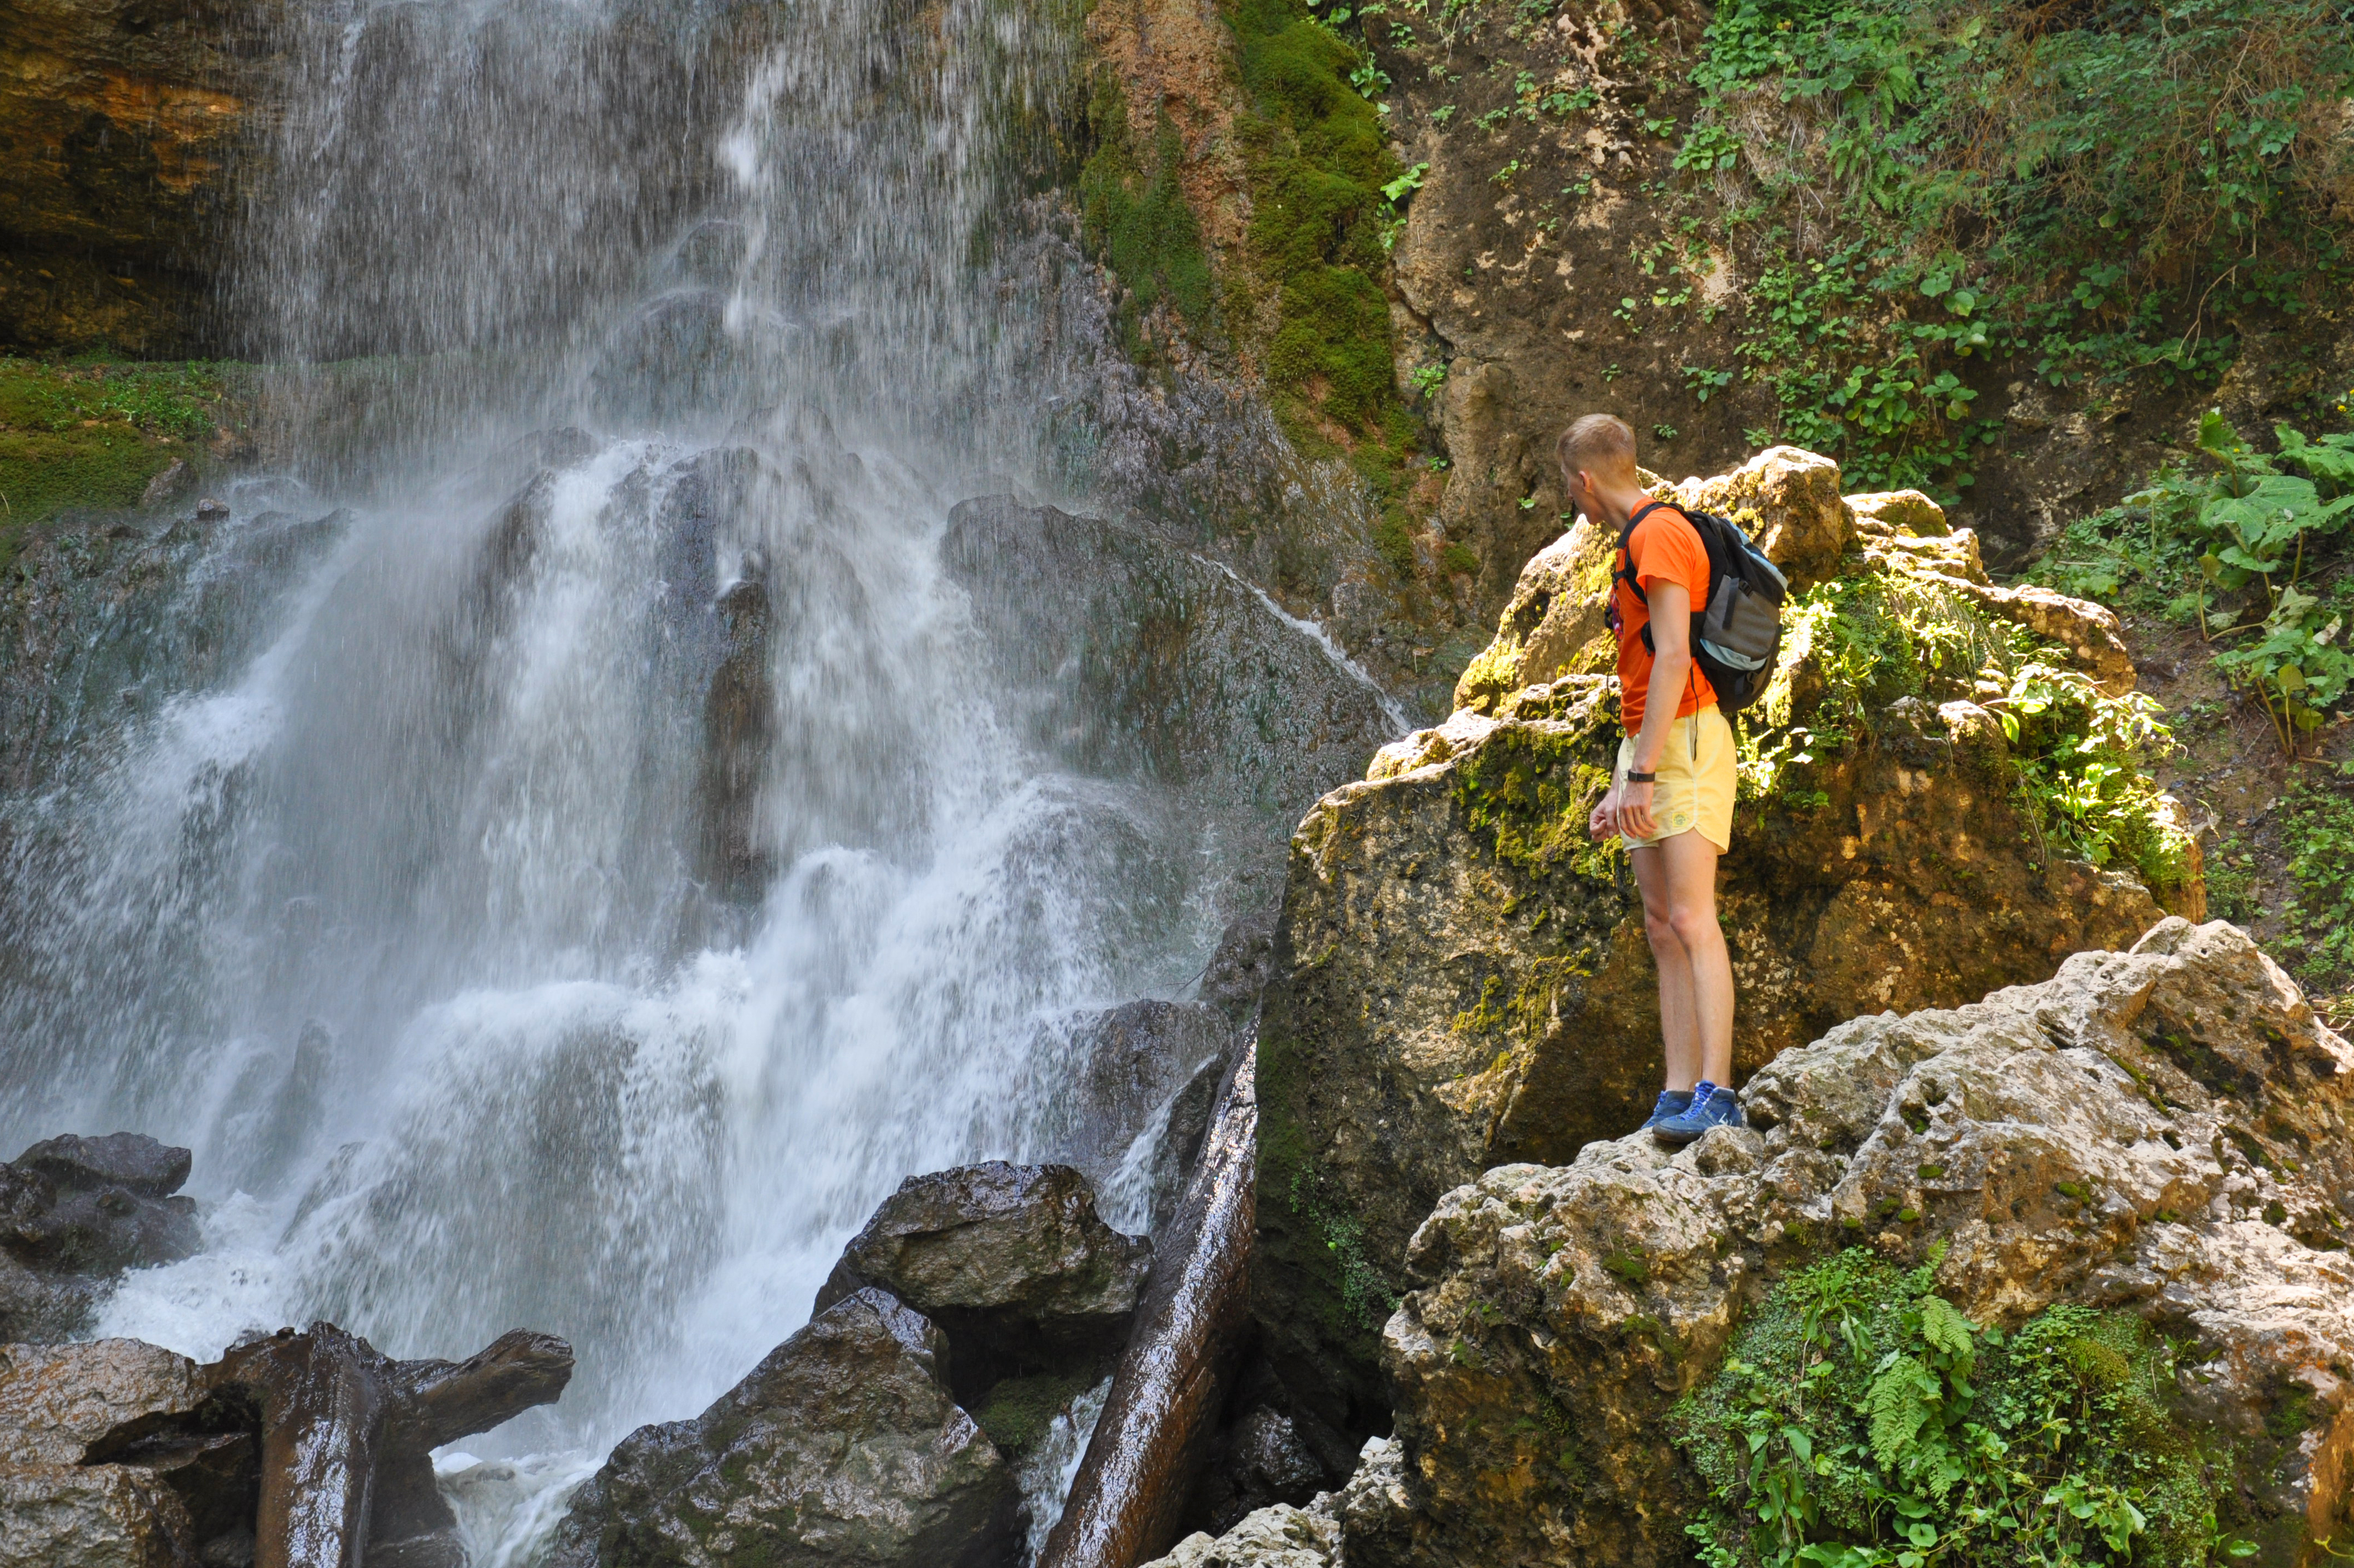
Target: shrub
[{"x": 1862, "y": 1421}]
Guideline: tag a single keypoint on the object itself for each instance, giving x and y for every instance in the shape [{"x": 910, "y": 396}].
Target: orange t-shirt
[{"x": 1665, "y": 548}]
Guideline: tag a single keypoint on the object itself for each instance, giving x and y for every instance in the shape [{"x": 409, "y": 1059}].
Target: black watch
[{"x": 1642, "y": 779}]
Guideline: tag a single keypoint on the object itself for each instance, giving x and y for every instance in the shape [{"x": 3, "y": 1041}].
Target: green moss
[
  {"x": 1135, "y": 219},
  {"x": 1318, "y": 159},
  {"x": 1017, "y": 1411},
  {"x": 1528, "y": 792},
  {"x": 93, "y": 433}
]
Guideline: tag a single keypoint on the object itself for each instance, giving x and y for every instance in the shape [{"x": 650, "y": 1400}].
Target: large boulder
[
  {"x": 1463, "y": 979},
  {"x": 76, "y": 1212},
  {"x": 2164, "y": 1131},
  {"x": 56, "y": 1403},
  {"x": 842, "y": 1448},
  {"x": 1011, "y": 1261}
]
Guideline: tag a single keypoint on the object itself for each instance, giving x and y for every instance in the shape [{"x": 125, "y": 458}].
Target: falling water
[{"x": 606, "y": 873}]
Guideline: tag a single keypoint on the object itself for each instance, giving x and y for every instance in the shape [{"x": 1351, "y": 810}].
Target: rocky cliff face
[
  {"x": 1463, "y": 979},
  {"x": 120, "y": 128}
]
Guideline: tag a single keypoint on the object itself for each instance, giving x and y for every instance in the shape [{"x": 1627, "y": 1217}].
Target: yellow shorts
[{"x": 1696, "y": 780}]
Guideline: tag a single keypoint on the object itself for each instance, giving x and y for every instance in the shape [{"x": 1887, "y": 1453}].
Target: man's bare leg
[
  {"x": 1688, "y": 862},
  {"x": 1680, "y": 1034}
]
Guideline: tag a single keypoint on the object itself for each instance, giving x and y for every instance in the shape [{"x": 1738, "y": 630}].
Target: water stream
[{"x": 609, "y": 874}]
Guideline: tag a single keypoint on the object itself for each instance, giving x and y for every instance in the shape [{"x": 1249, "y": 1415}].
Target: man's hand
[
  {"x": 1604, "y": 820},
  {"x": 1635, "y": 822}
]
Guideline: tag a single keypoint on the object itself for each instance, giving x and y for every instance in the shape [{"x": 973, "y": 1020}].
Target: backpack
[{"x": 1737, "y": 634}]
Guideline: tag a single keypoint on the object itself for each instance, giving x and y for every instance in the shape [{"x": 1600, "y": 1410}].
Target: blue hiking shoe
[
  {"x": 1673, "y": 1102},
  {"x": 1711, "y": 1106}
]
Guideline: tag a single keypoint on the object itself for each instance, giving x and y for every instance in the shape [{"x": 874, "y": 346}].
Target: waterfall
[{"x": 606, "y": 870}]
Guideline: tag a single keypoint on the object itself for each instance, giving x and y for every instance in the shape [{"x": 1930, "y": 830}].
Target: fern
[{"x": 1861, "y": 1419}]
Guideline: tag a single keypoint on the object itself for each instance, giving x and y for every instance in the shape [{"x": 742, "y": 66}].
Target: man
[{"x": 1670, "y": 796}]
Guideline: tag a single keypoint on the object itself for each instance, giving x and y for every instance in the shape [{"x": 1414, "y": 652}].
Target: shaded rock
[
  {"x": 1011, "y": 1261},
  {"x": 1259, "y": 1461},
  {"x": 1140, "y": 659},
  {"x": 844, "y": 1446},
  {"x": 2167, "y": 1131},
  {"x": 1131, "y": 1060},
  {"x": 1282, "y": 1536},
  {"x": 120, "y": 128},
  {"x": 78, "y": 1211}
]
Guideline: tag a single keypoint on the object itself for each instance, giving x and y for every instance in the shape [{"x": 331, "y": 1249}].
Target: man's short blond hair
[{"x": 1601, "y": 444}]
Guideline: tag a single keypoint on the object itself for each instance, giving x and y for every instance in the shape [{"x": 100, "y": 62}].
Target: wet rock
[
  {"x": 1137, "y": 658},
  {"x": 1128, "y": 1497},
  {"x": 1011, "y": 1261},
  {"x": 78, "y": 1211},
  {"x": 842, "y": 1448},
  {"x": 1131, "y": 1061},
  {"x": 122, "y": 1160},
  {"x": 2169, "y": 1131},
  {"x": 103, "y": 1516},
  {"x": 138, "y": 1456},
  {"x": 1243, "y": 962}
]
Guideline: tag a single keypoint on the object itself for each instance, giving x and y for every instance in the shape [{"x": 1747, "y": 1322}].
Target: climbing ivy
[
  {"x": 2097, "y": 191},
  {"x": 1860, "y": 1420}
]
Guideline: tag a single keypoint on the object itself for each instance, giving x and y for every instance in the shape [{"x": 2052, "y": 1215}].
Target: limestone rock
[
  {"x": 1789, "y": 500},
  {"x": 1278, "y": 1537},
  {"x": 1905, "y": 512},
  {"x": 842, "y": 1448},
  {"x": 2166, "y": 1130},
  {"x": 1464, "y": 980},
  {"x": 79, "y": 1211},
  {"x": 1011, "y": 1261}
]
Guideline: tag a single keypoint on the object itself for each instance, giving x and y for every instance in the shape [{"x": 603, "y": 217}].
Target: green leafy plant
[
  {"x": 1860, "y": 1420},
  {"x": 2098, "y": 192}
]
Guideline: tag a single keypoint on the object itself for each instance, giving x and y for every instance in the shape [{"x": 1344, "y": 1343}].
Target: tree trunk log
[{"x": 1128, "y": 1498}]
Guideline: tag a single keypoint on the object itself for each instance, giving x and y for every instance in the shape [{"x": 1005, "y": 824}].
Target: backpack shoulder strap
[{"x": 1626, "y": 572}]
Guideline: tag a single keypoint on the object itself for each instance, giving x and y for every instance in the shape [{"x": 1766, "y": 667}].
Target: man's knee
[
  {"x": 1661, "y": 929},
  {"x": 1693, "y": 924}
]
